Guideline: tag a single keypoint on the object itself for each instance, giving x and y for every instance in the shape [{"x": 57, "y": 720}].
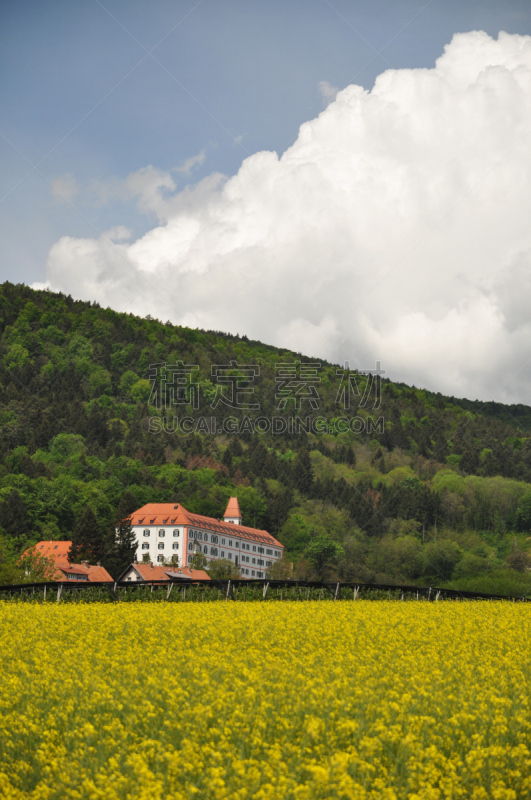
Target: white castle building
[{"x": 168, "y": 533}]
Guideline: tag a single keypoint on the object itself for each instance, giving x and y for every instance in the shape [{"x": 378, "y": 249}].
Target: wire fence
[{"x": 234, "y": 591}]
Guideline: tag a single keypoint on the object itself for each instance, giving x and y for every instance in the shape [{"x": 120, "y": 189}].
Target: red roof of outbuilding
[
  {"x": 160, "y": 573},
  {"x": 94, "y": 574},
  {"x": 58, "y": 550}
]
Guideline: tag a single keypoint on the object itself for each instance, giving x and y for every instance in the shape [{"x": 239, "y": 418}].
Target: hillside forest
[{"x": 424, "y": 489}]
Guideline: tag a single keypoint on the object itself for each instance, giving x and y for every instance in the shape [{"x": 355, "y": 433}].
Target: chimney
[{"x": 86, "y": 563}]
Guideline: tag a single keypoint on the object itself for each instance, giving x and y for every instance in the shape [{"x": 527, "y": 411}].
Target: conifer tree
[
  {"x": 121, "y": 544},
  {"x": 303, "y": 472},
  {"x": 14, "y": 520},
  {"x": 88, "y": 543}
]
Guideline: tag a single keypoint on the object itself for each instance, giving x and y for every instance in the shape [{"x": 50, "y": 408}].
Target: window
[
  {"x": 161, "y": 545},
  {"x": 258, "y": 574},
  {"x": 230, "y": 542},
  {"x": 222, "y": 554},
  {"x": 237, "y": 544},
  {"x": 277, "y": 553},
  {"x": 254, "y": 548},
  {"x": 252, "y": 572},
  {"x": 269, "y": 563},
  {"x": 176, "y": 545},
  {"x": 176, "y": 532},
  {"x": 230, "y": 556},
  {"x": 145, "y": 545},
  {"x": 269, "y": 552},
  {"x": 199, "y": 535},
  {"x": 162, "y": 534},
  {"x": 160, "y": 559},
  {"x": 254, "y": 560},
  {"x": 214, "y": 539},
  {"x": 190, "y": 545},
  {"x": 213, "y": 551},
  {"x": 146, "y": 532},
  {"x": 223, "y": 541},
  {"x": 246, "y": 571},
  {"x": 260, "y": 561},
  {"x": 260, "y": 549},
  {"x": 205, "y": 548}
]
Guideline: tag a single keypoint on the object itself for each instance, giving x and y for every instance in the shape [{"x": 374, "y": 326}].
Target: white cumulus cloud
[{"x": 396, "y": 228}]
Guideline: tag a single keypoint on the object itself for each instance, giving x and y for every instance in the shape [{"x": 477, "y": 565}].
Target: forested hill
[{"x": 409, "y": 486}]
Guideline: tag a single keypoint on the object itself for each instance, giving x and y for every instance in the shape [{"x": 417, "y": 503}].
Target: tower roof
[{"x": 233, "y": 509}]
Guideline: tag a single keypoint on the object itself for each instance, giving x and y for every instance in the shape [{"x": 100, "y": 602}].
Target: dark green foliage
[
  {"x": 88, "y": 542},
  {"x": 14, "y": 521},
  {"x": 322, "y": 553},
  {"x": 74, "y": 432},
  {"x": 441, "y": 559},
  {"x": 303, "y": 472},
  {"x": 121, "y": 543}
]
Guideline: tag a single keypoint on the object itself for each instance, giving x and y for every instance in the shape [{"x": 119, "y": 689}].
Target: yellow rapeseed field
[{"x": 265, "y": 700}]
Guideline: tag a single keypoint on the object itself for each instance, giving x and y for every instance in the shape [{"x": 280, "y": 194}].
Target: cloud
[
  {"x": 64, "y": 187},
  {"x": 191, "y": 162},
  {"x": 327, "y": 91},
  {"x": 396, "y": 228}
]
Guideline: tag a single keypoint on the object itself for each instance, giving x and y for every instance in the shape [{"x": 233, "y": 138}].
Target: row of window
[
  {"x": 199, "y": 536},
  {"x": 259, "y": 561},
  {"x": 162, "y": 533},
  {"x": 145, "y": 546}
]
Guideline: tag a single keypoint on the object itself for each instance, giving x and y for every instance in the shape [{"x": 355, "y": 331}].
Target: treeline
[{"x": 444, "y": 476}]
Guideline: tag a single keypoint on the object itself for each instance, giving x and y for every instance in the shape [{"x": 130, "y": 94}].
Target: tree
[
  {"x": 280, "y": 570},
  {"x": 122, "y": 544},
  {"x": 14, "y": 520},
  {"x": 88, "y": 543},
  {"x": 321, "y": 552},
  {"x": 441, "y": 559},
  {"x": 223, "y": 569},
  {"x": 523, "y": 513},
  {"x": 10, "y": 571},
  {"x": 198, "y": 561},
  {"x": 518, "y": 559},
  {"x": 303, "y": 472}
]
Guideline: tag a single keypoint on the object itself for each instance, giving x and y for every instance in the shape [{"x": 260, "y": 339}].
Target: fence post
[
  {"x": 429, "y": 594},
  {"x": 337, "y": 595},
  {"x": 356, "y": 592},
  {"x": 59, "y": 591},
  {"x": 44, "y": 598},
  {"x": 437, "y": 596},
  {"x": 228, "y": 590},
  {"x": 264, "y": 593},
  {"x": 170, "y": 587}
]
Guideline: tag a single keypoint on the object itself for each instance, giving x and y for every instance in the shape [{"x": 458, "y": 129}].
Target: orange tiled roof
[
  {"x": 176, "y": 514},
  {"x": 159, "y": 573},
  {"x": 233, "y": 508},
  {"x": 94, "y": 574},
  {"x": 58, "y": 550}
]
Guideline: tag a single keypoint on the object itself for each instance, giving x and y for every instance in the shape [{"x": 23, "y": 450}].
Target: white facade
[
  {"x": 164, "y": 544},
  {"x": 251, "y": 556}
]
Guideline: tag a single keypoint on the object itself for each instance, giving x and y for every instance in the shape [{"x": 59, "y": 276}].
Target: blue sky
[
  {"x": 229, "y": 79},
  {"x": 138, "y": 148}
]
